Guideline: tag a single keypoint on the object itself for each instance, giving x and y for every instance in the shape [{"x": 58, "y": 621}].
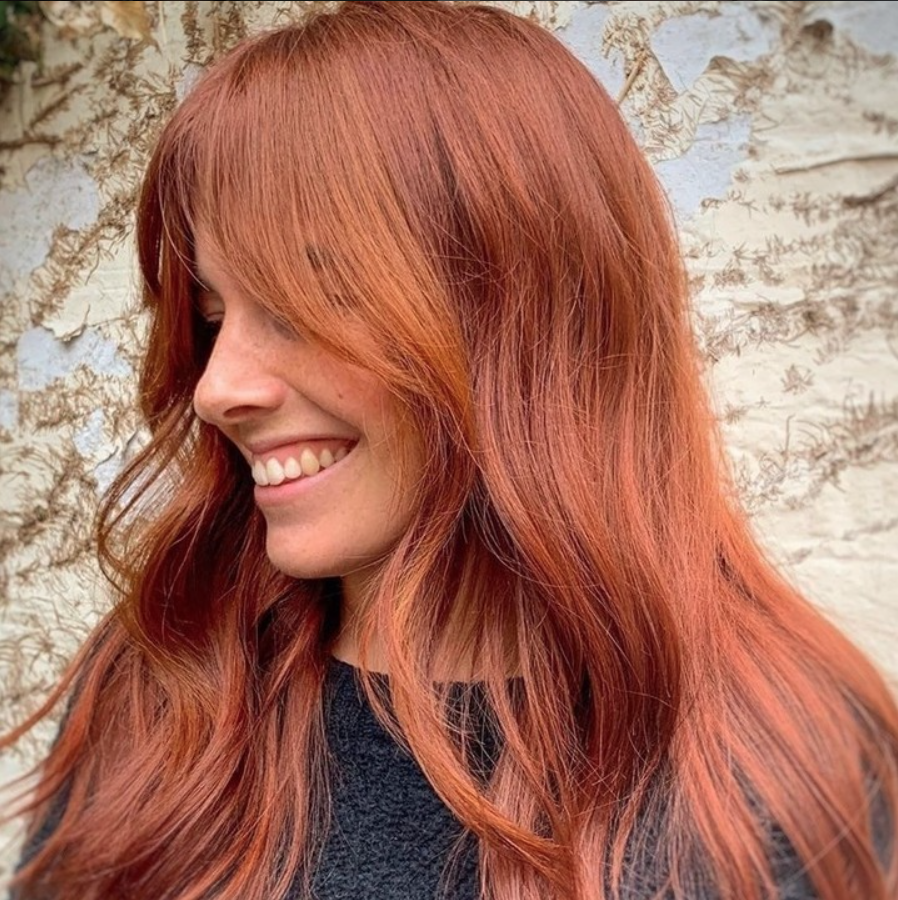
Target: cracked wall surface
[{"x": 774, "y": 127}]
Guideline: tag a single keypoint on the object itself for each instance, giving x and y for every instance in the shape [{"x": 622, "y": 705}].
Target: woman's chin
[{"x": 298, "y": 563}]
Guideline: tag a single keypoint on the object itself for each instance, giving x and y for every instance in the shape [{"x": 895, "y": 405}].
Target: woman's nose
[{"x": 239, "y": 381}]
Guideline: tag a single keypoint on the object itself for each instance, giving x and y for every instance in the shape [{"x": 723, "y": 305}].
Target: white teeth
[
  {"x": 309, "y": 462},
  {"x": 275, "y": 471},
  {"x": 260, "y": 473}
]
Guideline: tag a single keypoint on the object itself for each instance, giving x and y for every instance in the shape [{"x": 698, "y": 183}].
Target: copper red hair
[{"x": 452, "y": 184}]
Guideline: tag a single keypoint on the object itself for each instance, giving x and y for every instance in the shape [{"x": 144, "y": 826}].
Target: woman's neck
[{"x": 458, "y": 659}]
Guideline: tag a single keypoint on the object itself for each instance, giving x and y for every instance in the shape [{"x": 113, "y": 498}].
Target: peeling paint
[
  {"x": 9, "y": 410},
  {"x": 706, "y": 170},
  {"x": 105, "y": 471},
  {"x": 105, "y": 294},
  {"x": 583, "y": 35},
  {"x": 30, "y": 470},
  {"x": 56, "y": 193},
  {"x": 872, "y": 25},
  {"x": 189, "y": 77},
  {"x": 93, "y": 444},
  {"x": 88, "y": 439},
  {"x": 42, "y": 358},
  {"x": 685, "y": 45}
]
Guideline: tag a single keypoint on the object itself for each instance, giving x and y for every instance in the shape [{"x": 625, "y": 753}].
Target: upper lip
[{"x": 257, "y": 448}]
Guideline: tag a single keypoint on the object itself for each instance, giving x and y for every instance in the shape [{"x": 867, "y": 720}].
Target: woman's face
[{"x": 318, "y": 436}]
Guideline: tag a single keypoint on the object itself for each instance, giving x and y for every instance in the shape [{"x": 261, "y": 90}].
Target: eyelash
[{"x": 211, "y": 327}]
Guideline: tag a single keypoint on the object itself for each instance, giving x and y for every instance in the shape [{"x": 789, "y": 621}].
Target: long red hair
[{"x": 451, "y": 179}]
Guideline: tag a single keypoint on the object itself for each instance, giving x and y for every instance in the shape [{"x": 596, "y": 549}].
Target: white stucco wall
[{"x": 774, "y": 127}]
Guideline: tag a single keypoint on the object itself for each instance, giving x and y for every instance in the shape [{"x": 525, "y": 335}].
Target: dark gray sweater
[{"x": 391, "y": 833}]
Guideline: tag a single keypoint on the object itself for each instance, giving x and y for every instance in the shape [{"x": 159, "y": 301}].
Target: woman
[{"x": 427, "y": 413}]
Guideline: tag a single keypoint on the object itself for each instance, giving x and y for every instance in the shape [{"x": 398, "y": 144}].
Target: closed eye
[
  {"x": 210, "y": 327},
  {"x": 208, "y": 311}
]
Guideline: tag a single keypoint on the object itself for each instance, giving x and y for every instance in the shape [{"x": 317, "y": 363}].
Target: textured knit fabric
[{"x": 391, "y": 834}]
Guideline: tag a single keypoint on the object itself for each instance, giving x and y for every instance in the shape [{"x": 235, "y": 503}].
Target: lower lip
[{"x": 274, "y": 495}]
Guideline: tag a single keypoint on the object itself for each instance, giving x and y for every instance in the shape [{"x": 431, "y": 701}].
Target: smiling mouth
[{"x": 294, "y": 464}]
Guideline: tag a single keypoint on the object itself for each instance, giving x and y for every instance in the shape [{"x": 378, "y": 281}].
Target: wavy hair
[{"x": 451, "y": 179}]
